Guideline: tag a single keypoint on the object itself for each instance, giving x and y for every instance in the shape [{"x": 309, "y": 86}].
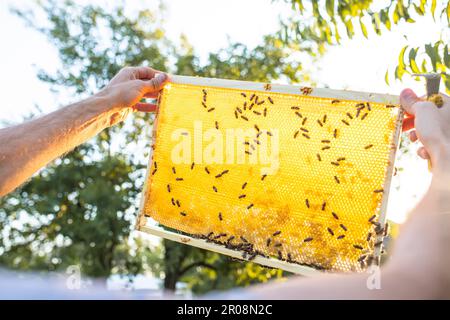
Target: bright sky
[{"x": 359, "y": 64}]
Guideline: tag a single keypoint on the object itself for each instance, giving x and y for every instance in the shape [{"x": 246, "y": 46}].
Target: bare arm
[
  {"x": 419, "y": 267},
  {"x": 26, "y": 148}
]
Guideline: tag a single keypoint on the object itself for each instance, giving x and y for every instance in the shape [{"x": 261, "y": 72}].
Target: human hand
[
  {"x": 428, "y": 124},
  {"x": 131, "y": 85}
]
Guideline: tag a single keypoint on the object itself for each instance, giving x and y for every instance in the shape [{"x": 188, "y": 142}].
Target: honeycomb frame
[{"x": 284, "y": 262}]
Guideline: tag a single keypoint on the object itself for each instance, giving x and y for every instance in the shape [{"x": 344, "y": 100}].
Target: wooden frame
[{"x": 143, "y": 224}]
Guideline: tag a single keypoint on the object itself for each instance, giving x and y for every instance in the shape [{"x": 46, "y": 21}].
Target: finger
[
  {"x": 422, "y": 152},
  {"x": 408, "y": 124},
  {"x": 413, "y": 136},
  {"x": 145, "y": 73},
  {"x": 151, "y": 95},
  {"x": 156, "y": 84},
  {"x": 145, "y": 107},
  {"x": 407, "y": 100}
]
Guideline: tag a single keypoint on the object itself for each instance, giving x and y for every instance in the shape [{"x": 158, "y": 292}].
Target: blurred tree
[
  {"x": 318, "y": 23},
  {"x": 81, "y": 209}
]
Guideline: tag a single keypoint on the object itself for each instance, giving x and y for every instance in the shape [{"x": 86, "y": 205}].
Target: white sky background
[{"x": 358, "y": 64}]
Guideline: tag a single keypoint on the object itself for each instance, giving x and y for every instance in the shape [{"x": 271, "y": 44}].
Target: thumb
[
  {"x": 407, "y": 100},
  {"x": 156, "y": 84}
]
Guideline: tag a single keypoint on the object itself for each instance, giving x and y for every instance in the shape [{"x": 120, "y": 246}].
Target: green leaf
[
  {"x": 446, "y": 56},
  {"x": 401, "y": 62},
  {"x": 330, "y": 8},
  {"x": 433, "y": 55},
  {"x": 386, "y": 77},
  {"x": 349, "y": 26},
  {"x": 376, "y": 23},
  {"x": 433, "y": 7},
  {"x": 363, "y": 28},
  {"x": 412, "y": 60}
]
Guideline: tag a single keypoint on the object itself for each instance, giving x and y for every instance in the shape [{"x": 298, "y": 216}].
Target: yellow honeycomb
[{"x": 305, "y": 185}]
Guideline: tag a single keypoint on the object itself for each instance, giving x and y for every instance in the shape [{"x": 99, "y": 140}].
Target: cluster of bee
[{"x": 254, "y": 104}]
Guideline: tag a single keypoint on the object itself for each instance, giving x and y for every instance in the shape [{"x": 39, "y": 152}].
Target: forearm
[{"x": 26, "y": 148}]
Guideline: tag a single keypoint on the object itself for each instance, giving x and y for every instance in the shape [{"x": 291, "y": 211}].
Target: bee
[
  {"x": 236, "y": 115},
  {"x": 335, "y": 133},
  {"x": 289, "y": 257},
  {"x": 368, "y": 106},
  {"x": 244, "y": 118},
  {"x": 326, "y": 148},
  {"x": 154, "y": 172},
  {"x": 267, "y": 87},
  {"x": 368, "y": 146},
  {"x": 244, "y": 185},
  {"x": 324, "y": 120},
  {"x": 278, "y": 245},
  {"x": 244, "y": 95},
  {"x": 265, "y": 112},
  {"x": 358, "y": 112},
  {"x": 220, "y": 175},
  {"x": 184, "y": 214},
  {"x": 270, "y": 134},
  {"x": 252, "y": 97},
  {"x": 330, "y": 231},
  {"x": 341, "y": 159},
  {"x": 204, "y": 105},
  {"x": 178, "y": 203},
  {"x": 211, "y": 110},
  {"x": 372, "y": 218},
  {"x": 390, "y": 106},
  {"x": 238, "y": 109},
  {"x": 343, "y": 227},
  {"x": 257, "y": 128},
  {"x": 304, "y": 130},
  {"x": 276, "y": 233},
  {"x": 192, "y": 165},
  {"x": 280, "y": 255},
  {"x": 220, "y": 216},
  {"x": 250, "y": 206},
  {"x": 319, "y": 157},
  {"x": 378, "y": 244},
  {"x": 306, "y": 136},
  {"x": 253, "y": 256},
  {"x": 306, "y": 90},
  {"x": 243, "y": 239},
  {"x": 268, "y": 242},
  {"x": 386, "y": 229},
  {"x": 168, "y": 188},
  {"x": 207, "y": 170},
  {"x": 180, "y": 179},
  {"x": 345, "y": 122},
  {"x": 256, "y": 100},
  {"x": 248, "y": 152},
  {"x": 342, "y": 236},
  {"x": 215, "y": 189},
  {"x": 174, "y": 170},
  {"x": 369, "y": 236},
  {"x": 205, "y": 92},
  {"x": 335, "y": 163},
  {"x": 295, "y": 108},
  {"x": 337, "y": 180},
  {"x": 364, "y": 116},
  {"x": 357, "y": 246},
  {"x": 379, "y": 191},
  {"x": 251, "y": 106},
  {"x": 299, "y": 114},
  {"x": 360, "y": 106},
  {"x": 257, "y": 142},
  {"x": 304, "y": 121},
  {"x": 308, "y": 239},
  {"x": 335, "y": 215},
  {"x": 307, "y": 203},
  {"x": 231, "y": 238},
  {"x": 209, "y": 235},
  {"x": 349, "y": 115},
  {"x": 324, "y": 206},
  {"x": 296, "y": 134},
  {"x": 173, "y": 202},
  {"x": 270, "y": 100},
  {"x": 335, "y": 101},
  {"x": 242, "y": 196},
  {"x": 261, "y": 102},
  {"x": 263, "y": 177},
  {"x": 320, "y": 123},
  {"x": 362, "y": 258},
  {"x": 326, "y": 141},
  {"x": 257, "y": 112}
]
